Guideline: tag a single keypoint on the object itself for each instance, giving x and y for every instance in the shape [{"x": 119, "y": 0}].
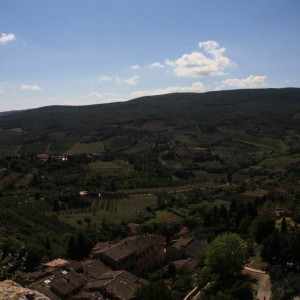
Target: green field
[
  {"x": 79, "y": 148},
  {"x": 164, "y": 216},
  {"x": 185, "y": 139},
  {"x": 117, "y": 143},
  {"x": 139, "y": 148},
  {"x": 123, "y": 209},
  {"x": 111, "y": 166},
  {"x": 280, "y": 162},
  {"x": 62, "y": 146},
  {"x": 34, "y": 148},
  {"x": 6, "y": 150}
]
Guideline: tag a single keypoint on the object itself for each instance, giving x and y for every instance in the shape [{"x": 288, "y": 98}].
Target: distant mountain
[
  {"x": 6, "y": 113},
  {"x": 267, "y": 112}
]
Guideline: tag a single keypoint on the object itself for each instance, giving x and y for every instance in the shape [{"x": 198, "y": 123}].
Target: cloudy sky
[{"x": 78, "y": 52}]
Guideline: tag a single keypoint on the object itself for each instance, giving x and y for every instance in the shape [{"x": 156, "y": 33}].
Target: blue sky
[{"x": 78, "y": 52}]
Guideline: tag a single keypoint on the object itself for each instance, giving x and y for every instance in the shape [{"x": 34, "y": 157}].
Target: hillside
[{"x": 265, "y": 113}]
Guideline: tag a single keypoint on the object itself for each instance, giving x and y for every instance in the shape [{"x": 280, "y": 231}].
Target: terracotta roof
[
  {"x": 190, "y": 263},
  {"x": 95, "y": 268},
  {"x": 88, "y": 296},
  {"x": 193, "y": 248},
  {"x": 119, "y": 252},
  {"x": 120, "y": 285},
  {"x": 62, "y": 287},
  {"x": 182, "y": 243},
  {"x": 74, "y": 265},
  {"x": 184, "y": 230},
  {"x": 44, "y": 288},
  {"x": 56, "y": 263}
]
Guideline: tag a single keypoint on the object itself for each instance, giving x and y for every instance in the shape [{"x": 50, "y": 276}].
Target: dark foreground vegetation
[{"x": 223, "y": 165}]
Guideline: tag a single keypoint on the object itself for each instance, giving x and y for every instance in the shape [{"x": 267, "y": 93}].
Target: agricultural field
[
  {"x": 117, "y": 143},
  {"x": 139, "y": 148},
  {"x": 34, "y": 148},
  {"x": 6, "y": 150},
  {"x": 111, "y": 166},
  {"x": 79, "y": 148},
  {"x": 164, "y": 216},
  {"x": 113, "y": 210},
  {"x": 61, "y": 146},
  {"x": 280, "y": 162}
]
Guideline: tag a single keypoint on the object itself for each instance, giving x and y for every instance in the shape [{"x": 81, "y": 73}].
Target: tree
[
  {"x": 225, "y": 255},
  {"x": 283, "y": 225},
  {"x": 72, "y": 248},
  {"x": 262, "y": 227},
  {"x": 154, "y": 290},
  {"x": 222, "y": 266}
]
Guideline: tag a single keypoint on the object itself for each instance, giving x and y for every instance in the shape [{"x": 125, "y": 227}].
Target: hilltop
[{"x": 205, "y": 118}]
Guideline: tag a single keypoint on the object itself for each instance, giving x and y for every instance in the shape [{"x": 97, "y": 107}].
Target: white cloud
[
  {"x": 105, "y": 78},
  {"x": 157, "y": 65},
  {"x": 134, "y": 67},
  {"x": 26, "y": 87},
  {"x": 249, "y": 82},
  {"x": 196, "y": 87},
  {"x": 6, "y": 37},
  {"x": 132, "y": 80},
  {"x": 95, "y": 97},
  {"x": 197, "y": 64}
]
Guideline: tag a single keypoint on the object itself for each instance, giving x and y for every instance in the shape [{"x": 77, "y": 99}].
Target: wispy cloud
[
  {"x": 134, "y": 80},
  {"x": 95, "y": 97},
  {"x": 196, "y": 87},
  {"x": 157, "y": 65},
  {"x": 7, "y": 37},
  {"x": 130, "y": 81},
  {"x": 135, "y": 67},
  {"x": 105, "y": 78},
  {"x": 249, "y": 82},
  {"x": 211, "y": 62},
  {"x": 27, "y": 87}
]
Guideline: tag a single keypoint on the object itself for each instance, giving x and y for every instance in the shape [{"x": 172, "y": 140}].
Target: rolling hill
[{"x": 257, "y": 114}]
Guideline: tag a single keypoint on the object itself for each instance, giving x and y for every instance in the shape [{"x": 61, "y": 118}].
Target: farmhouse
[
  {"x": 137, "y": 254},
  {"x": 185, "y": 248}
]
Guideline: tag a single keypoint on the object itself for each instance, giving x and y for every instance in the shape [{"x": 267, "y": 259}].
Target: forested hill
[{"x": 267, "y": 112}]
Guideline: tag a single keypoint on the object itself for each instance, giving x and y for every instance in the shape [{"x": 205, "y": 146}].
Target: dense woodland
[{"x": 226, "y": 165}]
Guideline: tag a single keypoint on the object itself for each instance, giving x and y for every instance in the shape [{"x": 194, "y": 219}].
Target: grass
[
  {"x": 256, "y": 193},
  {"x": 212, "y": 165},
  {"x": 94, "y": 147},
  {"x": 125, "y": 209},
  {"x": 34, "y": 148},
  {"x": 110, "y": 166},
  {"x": 280, "y": 162},
  {"x": 267, "y": 143},
  {"x": 6, "y": 150},
  {"x": 257, "y": 262},
  {"x": 62, "y": 146},
  {"x": 117, "y": 143},
  {"x": 164, "y": 216},
  {"x": 185, "y": 139},
  {"x": 139, "y": 148}
]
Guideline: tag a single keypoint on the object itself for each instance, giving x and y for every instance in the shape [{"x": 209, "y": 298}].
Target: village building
[
  {"x": 137, "y": 254},
  {"x": 185, "y": 248},
  {"x": 117, "y": 285}
]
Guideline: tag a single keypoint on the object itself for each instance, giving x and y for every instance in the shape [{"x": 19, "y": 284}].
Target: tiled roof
[
  {"x": 117, "y": 285},
  {"x": 56, "y": 263},
  {"x": 182, "y": 243},
  {"x": 193, "y": 248},
  {"x": 131, "y": 245},
  {"x": 94, "y": 268}
]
